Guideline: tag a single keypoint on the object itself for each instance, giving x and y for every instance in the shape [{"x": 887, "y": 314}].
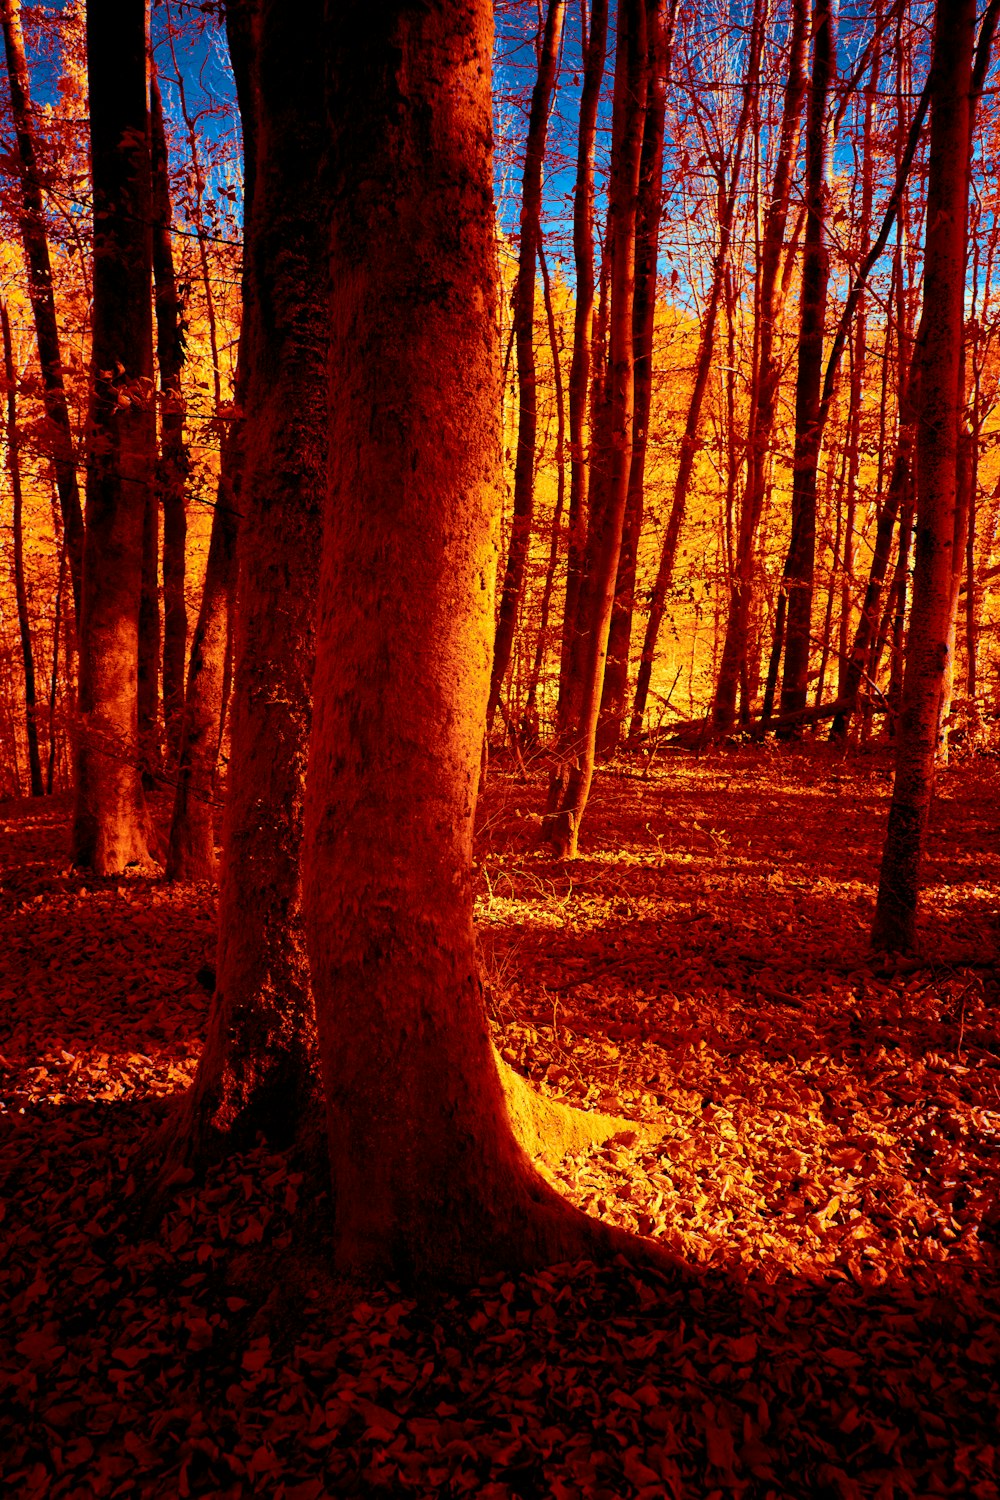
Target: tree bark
[
  {"x": 109, "y": 825},
  {"x": 604, "y": 542},
  {"x": 36, "y": 255},
  {"x": 258, "y": 1070},
  {"x": 429, "y": 1177},
  {"x": 20, "y": 591},
  {"x": 764, "y": 397},
  {"x": 524, "y": 338},
  {"x": 801, "y": 560},
  {"x": 580, "y": 367},
  {"x": 660, "y": 25},
  {"x": 172, "y": 469},
  {"x": 936, "y": 468},
  {"x": 191, "y": 850}
]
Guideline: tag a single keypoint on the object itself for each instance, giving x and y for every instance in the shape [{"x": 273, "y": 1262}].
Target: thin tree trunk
[
  {"x": 173, "y": 464},
  {"x": 580, "y": 367},
  {"x": 21, "y": 593},
  {"x": 937, "y": 442},
  {"x": 109, "y": 831},
  {"x": 764, "y": 397},
  {"x": 598, "y": 588},
  {"x": 36, "y": 255},
  {"x": 660, "y": 24},
  {"x": 801, "y": 560},
  {"x": 524, "y": 335},
  {"x": 729, "y": 179},
  {"x": 530, "y": 715},
  {"x": 191, "y": 850},
  {"x": 148, "y": 692}
]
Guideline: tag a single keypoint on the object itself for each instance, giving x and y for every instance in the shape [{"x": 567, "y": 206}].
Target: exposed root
[{"x": 549, "y": 1128}]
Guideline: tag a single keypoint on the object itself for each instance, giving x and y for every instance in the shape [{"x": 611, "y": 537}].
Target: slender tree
[
  {"x": 575, "y": 768},
  {"x": 524, "y": 339},
  {"x": 936, "y": 471},
  {"x": 801, "y": 560},
  {"x": 20, "y": 588},
  {"x": 109, "y": 826},
  {"x": 594, "y": 49},
  {"x": 767, "y": 378},
  {"x": 34, "y": 239},
  {"x": 659, "y": 23},
  {"x": 172, "y": 469}
]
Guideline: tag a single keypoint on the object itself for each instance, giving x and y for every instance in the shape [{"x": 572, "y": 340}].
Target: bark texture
[
  {"x": 109, "y": 825},
  {"x": 258, "y": 1071},
  {"x": 172, "y": 469},
  {"x": 571, "y": 782},
  {"x": 428, "y": 1174},
  {"x": 764, "y": 396},
  {"x": 524, "y": 338},
  {"x": 801, "y": 560},
  {"x": 936, "y": 475}
]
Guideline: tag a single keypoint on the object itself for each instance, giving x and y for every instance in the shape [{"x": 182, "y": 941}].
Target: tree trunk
[
  {"x": 801, "y": 561},
  {"x": 524, "y": 337},
  {"x": 109, "y": 824},
  {"x": 191, "y": 851},
  {"x": 529, "y": 718},
  {"x": 764, "y": 397},
  {"x": 172, "y": 470},
  {"x": 598, "y": 586},
  {"x": 429, "y": 1177},
  {"x": 647, "y": 242},
  {"x": 20, "y": 591},
  {"x": 258, "y": 1070},
  {"x": 936, "y": 469},
  {"x": 36, "y": 255},
  {"x": 580, "y": 368}
]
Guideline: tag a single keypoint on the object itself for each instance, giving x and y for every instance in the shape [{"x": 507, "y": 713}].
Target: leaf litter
[{"x": 825, "y": 1157}]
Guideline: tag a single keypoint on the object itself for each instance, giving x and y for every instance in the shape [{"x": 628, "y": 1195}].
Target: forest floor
[{"x": 826, "y": 1158}]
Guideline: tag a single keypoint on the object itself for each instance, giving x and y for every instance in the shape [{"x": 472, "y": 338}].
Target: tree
[
  {"x": 767, "y": 377},
  {"x": 20, "y": 591},
  {"x": 258, "y": 1069},
  {"x": 574, "y": 771},
  {"x": 173, "y": 462},
  {"x": 36, "y": 255},
  {"x": 429, "y": 1176},
  {"x": 936, "y": 473},
  {"x": 801, "y": 560},
  {"x": 108, "y": 828},
  {"x": 524, "y": 337}
]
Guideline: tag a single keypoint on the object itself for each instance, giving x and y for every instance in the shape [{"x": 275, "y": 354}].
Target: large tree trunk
[
  {"x": 936, "y": 471},
  {"x": 801, "y": 560},
  {"x": 36, "y": 256},
  {"x": 764, "y": 397},
  {"x": 524, "y": 337},
  {"x": 604, "y": 542},
  {"x": 429, "y": 1177},
  {"x": 647, "y": 245},
  {"x": 258, "y": 1069},
  {"x": 108, "y": 829},
  {"x": 20, "y": 591},
  {"x": 173, "y": 465}
]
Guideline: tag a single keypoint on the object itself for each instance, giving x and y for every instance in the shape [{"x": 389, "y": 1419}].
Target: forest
[{"x": 500, "y": 749}]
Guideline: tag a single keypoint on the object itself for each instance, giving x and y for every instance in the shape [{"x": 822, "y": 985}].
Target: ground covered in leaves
[{"x": 824, "y": 1153}]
